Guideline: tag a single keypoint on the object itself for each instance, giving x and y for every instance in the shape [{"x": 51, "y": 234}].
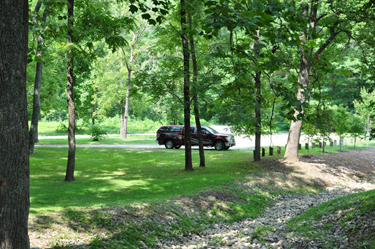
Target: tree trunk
[
  {"x": 368, "y": 130},
  {"x": 291, "y": 151},
  {"x": 202, "y": 162},
  {"x": 258, "y": 126},
  {"x": 126, "y": 114},
  {"x": 33, "y": 133},
  {"x": 93, "y": 115},
  {"x": 186, "y": 54},
  {"x": 122, "y": 112},
  {"x": 70, "y": 98},
  {"x": 14, "y": 147}
]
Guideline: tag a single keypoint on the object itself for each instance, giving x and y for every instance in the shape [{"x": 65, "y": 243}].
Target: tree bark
[
  {"x": 122, "y": 111},
  {"x": 291, "y": 151},
  {"x": 14, "y": 147},
  {"x": 186, "y": 55},
  {"x": 202, "y": 162},
  {"x": 126, "y": 114},
  {"x": 33, "y": 133},
  {"x": 69, "y": 176},
  {"x": 258, "y": 125}
]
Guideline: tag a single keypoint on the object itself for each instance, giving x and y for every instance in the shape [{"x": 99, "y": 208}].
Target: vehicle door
[
  {"x": 206, "y": 137},
  {"x": 193, "y": 136}
]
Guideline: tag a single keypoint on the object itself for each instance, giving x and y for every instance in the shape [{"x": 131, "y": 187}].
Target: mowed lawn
[{"x": 106, "y": 176}]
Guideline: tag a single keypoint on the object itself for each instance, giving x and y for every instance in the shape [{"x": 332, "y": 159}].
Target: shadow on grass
[{"x": 148, "y": 224}]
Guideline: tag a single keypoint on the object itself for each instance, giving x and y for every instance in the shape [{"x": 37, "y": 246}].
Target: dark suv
[{"x": 172, "y": 136}]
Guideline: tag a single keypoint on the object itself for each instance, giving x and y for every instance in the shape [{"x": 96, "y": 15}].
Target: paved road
[{"x": 242, "y": 142}]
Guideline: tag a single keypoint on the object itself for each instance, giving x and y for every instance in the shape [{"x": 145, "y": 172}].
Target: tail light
[{"x": 157, "y": 135}]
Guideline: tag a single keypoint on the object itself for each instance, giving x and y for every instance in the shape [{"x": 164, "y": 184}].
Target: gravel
[
  {"x": 243, "y": 234},
  {"x": 269, "y": 230}
]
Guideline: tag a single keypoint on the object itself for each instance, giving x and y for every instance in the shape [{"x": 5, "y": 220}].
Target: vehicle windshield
[{"x": 211, "y": 130}]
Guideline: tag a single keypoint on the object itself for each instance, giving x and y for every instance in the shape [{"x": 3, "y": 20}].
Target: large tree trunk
[
  {"x": 258, "y": 125},
  {"x": 291, "y": 151},
  {"x": 14, "y": 147},
  {"x": 33, "y": 133},
  {"x": 69, "y": 176},
  {"x": 202, "y": 162},
  {"x": 186, "y": 54}
]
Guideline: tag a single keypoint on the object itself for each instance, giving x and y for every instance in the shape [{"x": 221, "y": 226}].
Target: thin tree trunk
[
  {"x": 122, "y": 113},
  {"x": 93, "y": 117},
  {"x": 186, "y": 54},
  {"x": 258, "y": 126},
  {"x": 33, "y": 133},
  {"x": 202, "y": 162},
  {"x": 368, "y": 129},
  {"x": 14, "y": 147},
  {"x": 129, "y": 66},
  {"x": 126, "y": 116},
  {"x": 70, "y": 98}
]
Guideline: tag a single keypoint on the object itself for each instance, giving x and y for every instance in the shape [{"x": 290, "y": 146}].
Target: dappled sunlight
[{"x": 122, "y": 175}]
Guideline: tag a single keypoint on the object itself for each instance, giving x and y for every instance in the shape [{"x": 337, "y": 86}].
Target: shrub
[{"x": 97, "y": 132}]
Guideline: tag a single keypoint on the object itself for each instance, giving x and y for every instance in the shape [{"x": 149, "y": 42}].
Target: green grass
[
  {"x": 128, "y": 192},
  {"x": 349, "y": 208},
  {"x": 110, "y": 176},
  {"x": 114, "y": 140},
  {"x": 110, "y": 125}
]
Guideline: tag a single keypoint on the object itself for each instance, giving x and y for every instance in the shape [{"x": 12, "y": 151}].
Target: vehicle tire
[
  {"x": 177, "y": 146},
  {"x": 219, "y": 145},
  {"x": 169, "y": 144}
]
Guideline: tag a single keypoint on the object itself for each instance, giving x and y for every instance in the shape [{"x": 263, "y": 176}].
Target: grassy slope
[{"x": 349, "y": 213}]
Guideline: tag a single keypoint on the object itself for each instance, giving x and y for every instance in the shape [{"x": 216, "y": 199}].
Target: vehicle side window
[
  {"x": 176, "y": 129},
  {"x": 164, "y": 128},
  {"x": 204, "y": 131},
  {"x": 192, "y": 129}
]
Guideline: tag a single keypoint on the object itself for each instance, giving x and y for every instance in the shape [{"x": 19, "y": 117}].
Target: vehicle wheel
[
  {"x": 219, "y": 145},
  {"x": 169, "y": 144},
  {"x": 177, "y": 146}
]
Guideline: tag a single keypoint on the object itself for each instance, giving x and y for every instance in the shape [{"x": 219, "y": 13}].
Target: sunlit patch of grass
[{"x": 113, "y": 175}]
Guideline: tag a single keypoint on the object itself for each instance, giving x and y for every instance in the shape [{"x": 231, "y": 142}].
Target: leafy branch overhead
[{"x": 154, "y": 14}]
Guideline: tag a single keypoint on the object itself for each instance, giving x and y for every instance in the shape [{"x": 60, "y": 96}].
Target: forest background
[{"x": 128, "y": 65}]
